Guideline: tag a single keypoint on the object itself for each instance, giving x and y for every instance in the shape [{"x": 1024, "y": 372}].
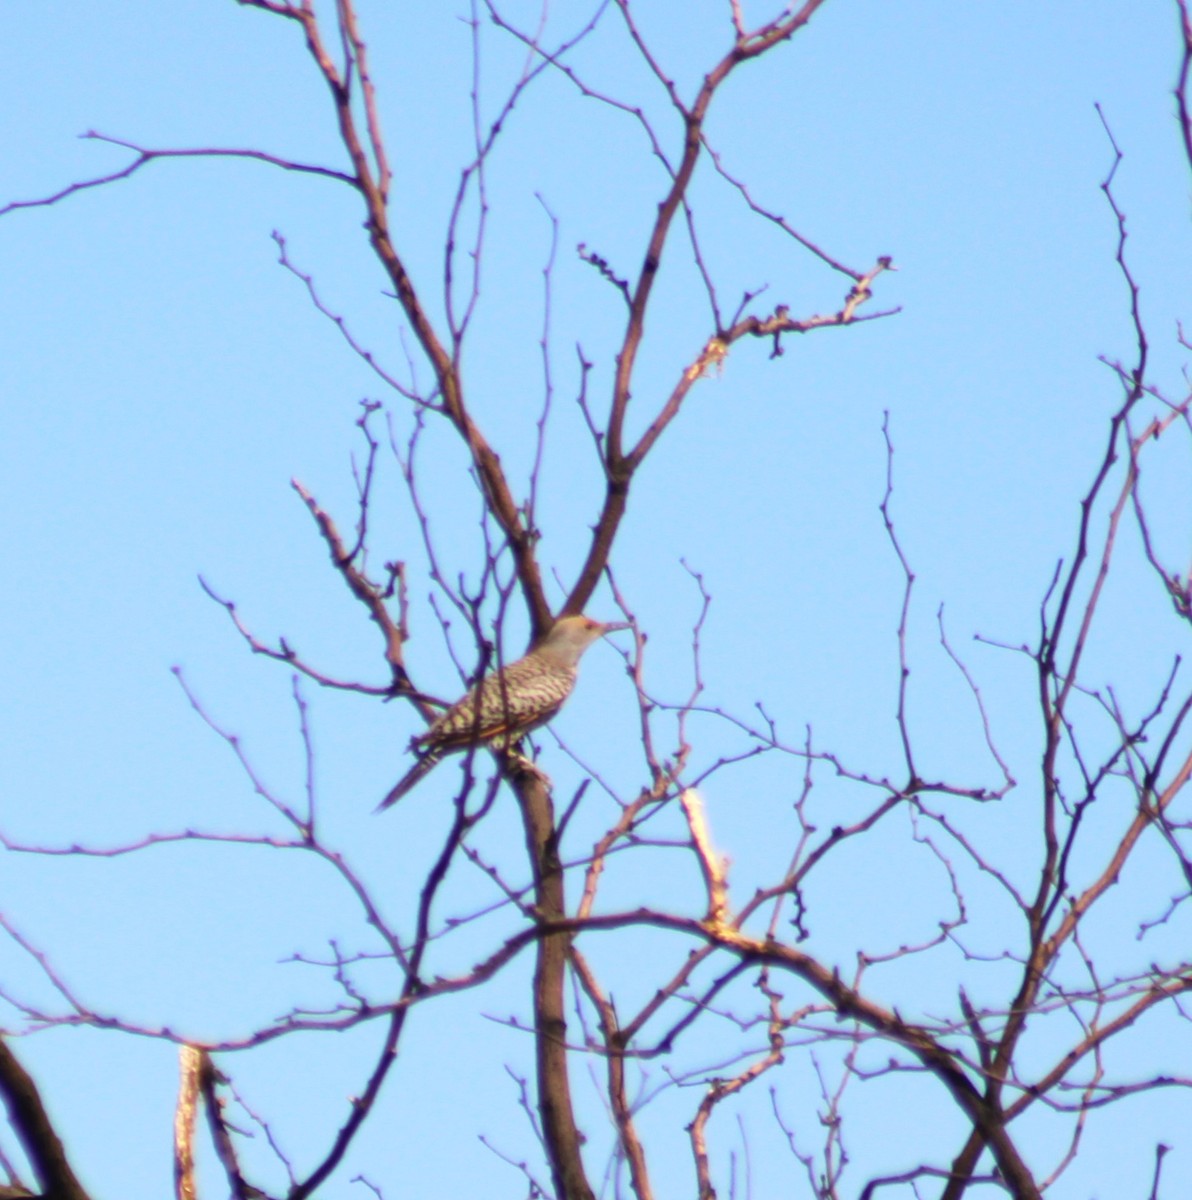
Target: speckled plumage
[{"x": 509, "y": 703}]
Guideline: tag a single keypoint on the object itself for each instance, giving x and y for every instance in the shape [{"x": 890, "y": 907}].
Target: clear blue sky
[{"x": 162, "y": 379}]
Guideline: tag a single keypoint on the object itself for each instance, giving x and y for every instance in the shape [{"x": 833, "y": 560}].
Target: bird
[{"x": 507, "y": 703}]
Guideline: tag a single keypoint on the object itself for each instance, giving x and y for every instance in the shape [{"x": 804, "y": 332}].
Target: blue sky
[{"x": 163, "y": 380}]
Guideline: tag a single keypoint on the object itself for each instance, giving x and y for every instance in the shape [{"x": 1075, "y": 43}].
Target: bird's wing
[{"x": 525, "y": 697}]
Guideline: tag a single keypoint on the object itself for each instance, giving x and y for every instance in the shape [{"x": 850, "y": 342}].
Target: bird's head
[{"x": 571, "y": 636}]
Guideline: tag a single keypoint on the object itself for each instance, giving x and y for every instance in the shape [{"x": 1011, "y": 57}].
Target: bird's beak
[{"x": 615, "y": 626}]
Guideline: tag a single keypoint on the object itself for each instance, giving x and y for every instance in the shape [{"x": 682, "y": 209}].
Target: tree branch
[{"x": 36, "y": 1131}]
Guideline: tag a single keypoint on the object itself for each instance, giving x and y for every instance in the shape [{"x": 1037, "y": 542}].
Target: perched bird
[{"x": 508, "y": 703}]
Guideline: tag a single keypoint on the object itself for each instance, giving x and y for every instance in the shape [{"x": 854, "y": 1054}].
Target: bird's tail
[{"x": 425, "y": 764}]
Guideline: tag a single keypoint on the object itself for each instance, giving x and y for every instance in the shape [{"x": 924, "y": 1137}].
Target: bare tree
[{"x": 1026, "y": 1006}]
